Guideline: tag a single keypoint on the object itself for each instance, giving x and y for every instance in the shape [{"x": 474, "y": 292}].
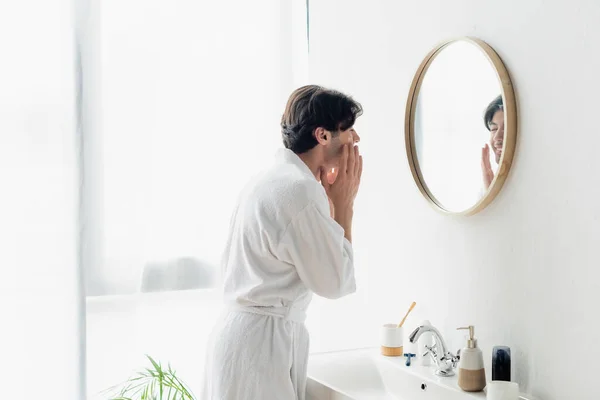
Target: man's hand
[
  {"x": 343, "y": 190},
  {"x": 486, "y": 167}
]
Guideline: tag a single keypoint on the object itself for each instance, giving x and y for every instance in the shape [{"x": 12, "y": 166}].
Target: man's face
[
  {"x": 497, "y": 134},
  {"x": 335, "y": 149}
]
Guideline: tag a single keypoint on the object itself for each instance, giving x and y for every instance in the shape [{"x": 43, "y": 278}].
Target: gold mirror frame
[{"x": 510, "y": 126}]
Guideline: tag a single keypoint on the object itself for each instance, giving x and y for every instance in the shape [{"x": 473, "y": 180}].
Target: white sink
[{"x": 366, "y": 375}]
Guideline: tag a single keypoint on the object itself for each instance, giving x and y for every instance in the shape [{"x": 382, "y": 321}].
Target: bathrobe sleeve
[{"x": 315, "y": 245}]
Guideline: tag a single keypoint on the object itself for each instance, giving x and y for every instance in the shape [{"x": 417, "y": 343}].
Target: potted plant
[{"x": 152, "y": 383}]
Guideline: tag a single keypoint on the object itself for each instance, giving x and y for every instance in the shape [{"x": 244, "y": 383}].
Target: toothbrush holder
[{"x": 392, "y": 344}]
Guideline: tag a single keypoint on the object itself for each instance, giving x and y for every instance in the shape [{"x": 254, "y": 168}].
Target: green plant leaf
[{"x": 152, "y": 383}]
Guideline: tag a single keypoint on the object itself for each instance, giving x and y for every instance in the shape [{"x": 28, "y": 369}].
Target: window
[
  {"x": 186, "y": 99},
  {"x": 182, "y": 105}
]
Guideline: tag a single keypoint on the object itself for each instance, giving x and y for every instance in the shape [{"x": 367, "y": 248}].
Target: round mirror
[{"x": 461, "y": 126}]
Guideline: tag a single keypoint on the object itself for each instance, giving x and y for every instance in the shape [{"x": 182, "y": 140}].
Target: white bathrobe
[{"x": 283, "y": 246}]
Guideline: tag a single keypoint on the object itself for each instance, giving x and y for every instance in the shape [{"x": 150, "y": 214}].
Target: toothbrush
[{"x": 408, "y": 312}]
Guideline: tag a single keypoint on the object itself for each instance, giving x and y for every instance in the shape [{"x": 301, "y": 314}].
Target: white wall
[
  {"x": 525, "y": 270},
  {"x": 41, "y": 325}
]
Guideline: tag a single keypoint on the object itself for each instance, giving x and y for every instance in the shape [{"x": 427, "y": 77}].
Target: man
[
  {"x": 290, "y": 236},
  {"x": 494, "y": 122}
]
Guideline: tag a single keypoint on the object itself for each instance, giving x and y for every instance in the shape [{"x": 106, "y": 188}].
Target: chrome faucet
[{"x": 443, "y": 359}]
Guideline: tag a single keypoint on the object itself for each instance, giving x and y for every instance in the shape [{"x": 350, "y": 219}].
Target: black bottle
[{"x": 501, "y": 363}]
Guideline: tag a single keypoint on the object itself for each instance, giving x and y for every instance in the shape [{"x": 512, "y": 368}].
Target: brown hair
[
  {"x": 311, "y": 107},
  {"x": 495, "y": 106}
]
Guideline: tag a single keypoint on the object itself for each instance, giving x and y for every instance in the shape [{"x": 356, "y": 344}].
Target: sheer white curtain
[
  {"x": 188, "y": 97},
  {"x": 182, "y": 105},
  {"x": 40, "y": 297}
]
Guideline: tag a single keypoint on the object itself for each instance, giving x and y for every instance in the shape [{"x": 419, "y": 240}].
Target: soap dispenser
[{"x": 471, "y": 372}]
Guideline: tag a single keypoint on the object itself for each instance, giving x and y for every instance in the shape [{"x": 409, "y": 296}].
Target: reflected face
[{"x": 497, "y": 134}]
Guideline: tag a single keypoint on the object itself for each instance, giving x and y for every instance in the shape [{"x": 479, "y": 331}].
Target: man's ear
[{"x": 322, "y": 135}]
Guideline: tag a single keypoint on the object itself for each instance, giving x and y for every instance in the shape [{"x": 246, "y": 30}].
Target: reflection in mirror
[
  {"x": 457, "y": 126},
  {"x": 494, "y": 122}
]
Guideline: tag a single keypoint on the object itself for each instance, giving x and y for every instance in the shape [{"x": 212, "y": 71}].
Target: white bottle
[
  {"x": 426, "y": 339},
  {"x": 471, "y": 372}
]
